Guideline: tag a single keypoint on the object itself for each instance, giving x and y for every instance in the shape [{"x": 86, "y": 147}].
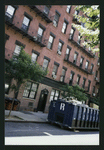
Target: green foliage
[
  {"x": 96, "y": 100},
  {"x": 74, "y": 91},
  {"x": 91, "y": 31},
  {"x": 21, "y": 68}
]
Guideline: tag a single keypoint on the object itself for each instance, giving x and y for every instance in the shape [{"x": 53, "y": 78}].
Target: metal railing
[
  {"x": 43, "y": 11},
  {"x": 76, "y": 63},
  {"x": 74, "y": 40},
  {"x": 29, "y": 32}
]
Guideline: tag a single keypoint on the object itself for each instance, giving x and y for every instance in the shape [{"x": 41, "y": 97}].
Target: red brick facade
[{"x": 15, "y": 34}]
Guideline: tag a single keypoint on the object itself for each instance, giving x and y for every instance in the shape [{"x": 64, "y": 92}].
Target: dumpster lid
[{"x": 10, "y": 99}]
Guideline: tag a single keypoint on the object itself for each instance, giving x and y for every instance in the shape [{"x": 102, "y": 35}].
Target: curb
[{"x": 26, "y": 121}]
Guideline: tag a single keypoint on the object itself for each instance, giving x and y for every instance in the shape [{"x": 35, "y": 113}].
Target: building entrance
[{"x": 42, "y": 100}]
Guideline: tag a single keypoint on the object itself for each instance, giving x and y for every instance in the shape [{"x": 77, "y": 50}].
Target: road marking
[{"x": 47, "y": 133}]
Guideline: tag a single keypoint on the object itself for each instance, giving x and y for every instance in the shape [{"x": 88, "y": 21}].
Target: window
[
  {"x": 89, "y": 82},
  {"x": 89, "y": 49},
  {"x": 79, "y": 38},
  {"x": 93, "y": 91},
  {"x": 30, "y": 90},
  {"x": 63, "y": 75},
  {"x": 55, "y": 70},
  {"x": 92, "y": 66},
  {"x": 59, "y": 47},
  {"x": 83, "y": 83},
  {"x": 34, "y": 57},
  {"x": 78, "y": 79},
  {"x": 86, "y": 65},
  {"x": 64, "y": 27},
  {"x": 71, "y": 78},
  {"x": 7, "y": 85},
  {"x": 67, "y": 53},
  {"x": 81, "y": 61},
  {"x": 50, "y": 42},
  {"x": 96, "y": 74},
  {"x": 17, "y": 50},
  {"x": 45, "y": 64},
  {"x": 84, "y": 46},
  {"x": 30, "y": 104},
  {"x": 68, "y": 8},
  {"x": 75, "y": 57},
  {"x": 76, "y": 12},
  {"x": 40, "y": 34},
  {"x": 25, "y": 23},
  {"x": 98, "y": 63},
  {"x": 18, "y": 47},
  {"x": 54, "y": 95},
  {"x": 46, "y": 9},
  {"x": 56, "y": 19},
  {"x": 10, "y": 11},
  {"x": 71, "y": 33}
]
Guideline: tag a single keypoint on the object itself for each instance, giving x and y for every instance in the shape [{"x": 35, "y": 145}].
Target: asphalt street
[{"x": 13, "y": 129}]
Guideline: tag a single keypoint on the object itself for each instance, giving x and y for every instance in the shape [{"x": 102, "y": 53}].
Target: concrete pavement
[{"x": 26, "y": 116}]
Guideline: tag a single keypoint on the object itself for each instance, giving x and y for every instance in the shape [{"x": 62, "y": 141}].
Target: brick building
[{"x": 47, "y": 34}]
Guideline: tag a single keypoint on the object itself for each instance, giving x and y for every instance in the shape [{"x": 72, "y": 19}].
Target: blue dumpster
[
  {"x": 90, "y": 117},
  {"x": 51, "y": 114},
  {"x": 93, "y": 119},
  {"x": 96, "y": 120},
  {"x": 87, "y": 117},
  {"x": 79, "y": 115},
  {"x": 83, "y": 117},
  {"x": 72, "y": 115}
]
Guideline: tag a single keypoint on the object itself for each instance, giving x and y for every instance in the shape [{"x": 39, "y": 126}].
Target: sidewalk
[{"x": 26, "y": 116}]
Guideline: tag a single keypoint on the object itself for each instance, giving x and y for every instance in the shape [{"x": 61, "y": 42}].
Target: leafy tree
[
  {"x": 75, "y": 91},
  {"x": 21, "y": 68},
  {"x": 91, "y": 30}
]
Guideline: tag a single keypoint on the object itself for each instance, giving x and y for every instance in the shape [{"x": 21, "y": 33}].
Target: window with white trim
[
  {"x": 25, "y": 24},
  {"x": 71, "y": 33},
  {"x": 34, "y": 57},
  {"x": 68, "y": 8},
  {"x": 56, "y": 19},
  {"x": 45, "y": 64},
  {"x": 55, "y": 68},
  {"x": 86, "y": 65},
  {"x": 10, "y": 11},
  {"x": 54, "y": 95},
  {"x": 78, "y": 79},
  {"x": 30, "y": 90},
  {"x": 64, "y": 27},
  {"x": 81, "y": 61},
  {"x": 59, "y": 48},
  {"x": 50, "y": 42},
  {"x": 17, "y": 50},
  {"x": 63, "y": 75},
  {"x": 75, "y": 57}
]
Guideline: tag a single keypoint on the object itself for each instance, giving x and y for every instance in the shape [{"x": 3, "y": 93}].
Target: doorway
[{"x": 42, "y": 100}]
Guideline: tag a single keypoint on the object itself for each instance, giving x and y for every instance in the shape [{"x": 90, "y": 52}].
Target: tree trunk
[
  {"x": 12, "y": 104},
  {"x": 15, "y": 94}
]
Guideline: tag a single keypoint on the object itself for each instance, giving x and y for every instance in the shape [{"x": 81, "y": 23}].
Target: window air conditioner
[
  {"x": 93, "y": 94},
  {"x": 61, "y": 79},
  {"x": 96, "y": 79},
  {"x": 59, "y": 52},
  {"x": 35, "y": 38},
  {"x": 53, "y": 73},
  {"x": 54, "y": 76}
]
